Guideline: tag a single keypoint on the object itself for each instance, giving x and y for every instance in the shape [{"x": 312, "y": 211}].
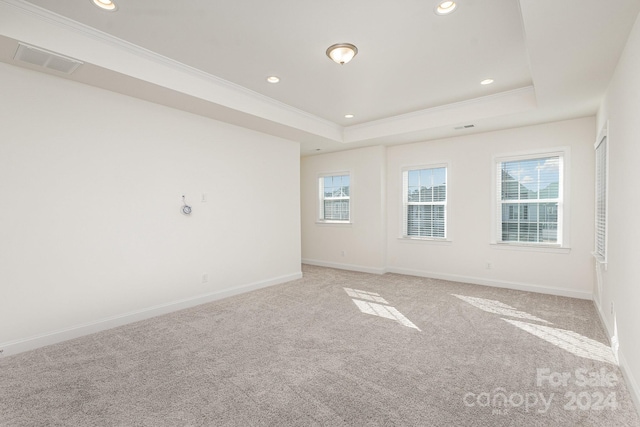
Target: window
[
  {"x": 425, "y": 202},
  {"x": 335, "y": 198},
  {"x": 530, "y": 199},
  {"x": 601, "y": 199}
]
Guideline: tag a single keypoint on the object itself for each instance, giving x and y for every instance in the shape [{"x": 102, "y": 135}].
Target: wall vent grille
[{"x": 43, "y": 58}]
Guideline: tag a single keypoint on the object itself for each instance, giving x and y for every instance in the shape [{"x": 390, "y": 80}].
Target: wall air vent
[
  {"x": 464, "y": 127},
  {"x": 44, "y": 58}
]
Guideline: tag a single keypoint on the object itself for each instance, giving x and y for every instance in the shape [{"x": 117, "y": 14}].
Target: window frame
[
  {"x": 320, "y": 208},
  {"x": 405, "y": 203},
  {"x": 601, "y": 196},
  {"x": 564, "y": 198}
]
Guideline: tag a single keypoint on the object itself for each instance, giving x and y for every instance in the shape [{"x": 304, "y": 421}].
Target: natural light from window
[
  {"x": 496, "y": 307},
  {"x": 570, "y": 341},
  {"x": 372, "y": 306},
  {"x": 425, "y": 202},
  {"x": 371, "y": 296},
  {"x": 335, "y": 193},
  {"x": 530, "y": 200}
]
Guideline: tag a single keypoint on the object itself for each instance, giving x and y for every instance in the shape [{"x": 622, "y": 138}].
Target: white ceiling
[{"x": 416, "y": 77}]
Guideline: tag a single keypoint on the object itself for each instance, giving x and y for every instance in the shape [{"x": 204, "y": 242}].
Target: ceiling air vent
[
  {"x": 44, "y": 58},
  {"x": 465, "y": 127}
]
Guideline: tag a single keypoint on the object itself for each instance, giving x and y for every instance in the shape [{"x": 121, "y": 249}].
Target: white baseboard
[
  {"x": 495, "y": 283},
  {"x": 632, "y": 384},
  {"x": 607, "y": 328},
  {"x": 351, "y": 267},
  {"x": 18, "y": 346},
  {"x": 456, "y": 278}
]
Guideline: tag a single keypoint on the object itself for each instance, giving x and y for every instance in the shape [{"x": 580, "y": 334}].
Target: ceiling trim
[
  {"x": 449, "y": 115},
  {"x": 562, "y": 88},
  {"x": 229, "y": 94}
]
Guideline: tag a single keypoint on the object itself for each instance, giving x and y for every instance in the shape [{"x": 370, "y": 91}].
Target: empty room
[{"x": 339, "y": 213}]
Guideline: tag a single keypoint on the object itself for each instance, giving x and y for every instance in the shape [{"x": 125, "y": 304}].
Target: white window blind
[
  {"x": 335, "y": 198},
  {"x": 425, "y": 202},
  {"x": 529, "y": 196},
  {"x": 601, "y": 200}
]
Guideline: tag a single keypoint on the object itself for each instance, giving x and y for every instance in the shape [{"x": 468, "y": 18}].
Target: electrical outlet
[
  {"x": 342, "y": 253},
  {"x": 205, "y": 278},
  {"x": 611, "y": 307},
  {"x": 489, "y": 265}
]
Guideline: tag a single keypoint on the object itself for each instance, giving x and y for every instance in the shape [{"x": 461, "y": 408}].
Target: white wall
[
  {"x": 363, "y": 240},
  {"x": 470, "y": 222},
  {"x": 372, "y": 242},
  {"x": 91, "y": 233},
  {"x": 621, "y": 280}
]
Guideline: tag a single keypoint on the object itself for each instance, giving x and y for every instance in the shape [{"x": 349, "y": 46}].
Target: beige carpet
[{"x": 335, "y": 348}]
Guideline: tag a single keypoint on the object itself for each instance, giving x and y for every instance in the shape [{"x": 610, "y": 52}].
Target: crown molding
[
  {"x": 29, "y": 23},
  {"x": 463, "y": 112},
  {"x": 32, "y": 24},
  {"x": 280, "y": 112},
  {"x": 454, "y": 105}
]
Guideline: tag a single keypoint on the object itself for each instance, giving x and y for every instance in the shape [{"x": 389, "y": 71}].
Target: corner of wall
[{"x": 350, "y": 267}]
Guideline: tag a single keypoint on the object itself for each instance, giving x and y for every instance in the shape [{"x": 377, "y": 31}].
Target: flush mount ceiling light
[
  {"x": 445, "y": 7},
  {"x": 342, "y": 53},
  {"x": 349, "y": 116},
  {"x": 106, "y": 5},
  {"x": 486, "y": 82},
  {"x": 273, "y": 79}
]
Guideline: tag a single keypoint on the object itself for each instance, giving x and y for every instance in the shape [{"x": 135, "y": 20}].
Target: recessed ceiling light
[
  {"x": 273, "y": 79},
  {"x": 445, "y": 7},
  {"x": 486, "y": 82},
  {"x": 106, "y": 5},
  {"x": 349, "y": 116}
]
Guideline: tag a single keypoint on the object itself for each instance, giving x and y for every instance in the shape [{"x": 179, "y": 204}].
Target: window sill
[
  {"x": 427, "y": 240},
  {"x": 531, "y": 248},
  {"x": 600, "y": 260},
  {"x": 335, "y": 223}
]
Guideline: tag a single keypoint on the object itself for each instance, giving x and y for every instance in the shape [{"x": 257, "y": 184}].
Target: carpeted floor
[{"x": 335, "y": 348}]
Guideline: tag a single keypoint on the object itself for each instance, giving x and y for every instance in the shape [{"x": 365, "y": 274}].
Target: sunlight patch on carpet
[
  {"x": 497, "y": 307},
  {"x": 372, "y": 306},
  {"x": 369, "y": 296},
  {"x": 570, "y": 341}
]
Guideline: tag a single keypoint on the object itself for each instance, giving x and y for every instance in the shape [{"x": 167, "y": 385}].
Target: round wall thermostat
[{"x": 186, "y": 209}]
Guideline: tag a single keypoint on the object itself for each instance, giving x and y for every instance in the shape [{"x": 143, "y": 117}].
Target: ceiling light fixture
[
  {"x": 349, "y": 116},
  {"x": 342, "y": 53},
  {"x": 273, "y": 79},
  {"x": 486, "y": 82},
  {"x": 445, "y": 7},
  {"x": 106, "y": 5}
]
